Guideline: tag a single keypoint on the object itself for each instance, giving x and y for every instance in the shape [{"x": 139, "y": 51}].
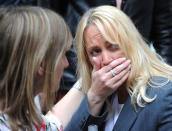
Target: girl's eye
[
  {"x": 95, "y": 52},
  {"x": 113, "y": 47}
]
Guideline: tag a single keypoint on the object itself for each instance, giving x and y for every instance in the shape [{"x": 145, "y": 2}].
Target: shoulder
[
  {"x": 161, "y": 89},
  {"x": 161, "y": 107},
  {"x": 159, "y": 86},
  {"x": 156, "y": 114}
]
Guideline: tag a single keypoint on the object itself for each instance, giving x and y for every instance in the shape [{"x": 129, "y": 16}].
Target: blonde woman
[{"x": 114, "y": 58}]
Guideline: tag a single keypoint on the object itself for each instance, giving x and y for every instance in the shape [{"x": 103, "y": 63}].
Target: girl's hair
[
  {"x": 28, "y": 36},
  {"x": 116, "y": 27}
]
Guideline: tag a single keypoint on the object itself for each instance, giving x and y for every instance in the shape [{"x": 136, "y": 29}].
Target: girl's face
[
  {"x": 97, "y": 46},
  {"x": 63, "y": 63}
]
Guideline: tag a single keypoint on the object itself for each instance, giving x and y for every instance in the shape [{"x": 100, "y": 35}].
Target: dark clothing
[
  {"x": 153, "y": 18},
  {"x": 76, "y": 8},
  {"x": 17, "y": 2},
  {"x": 156, "y": 115},
  {"x": 83, "y": 118}
]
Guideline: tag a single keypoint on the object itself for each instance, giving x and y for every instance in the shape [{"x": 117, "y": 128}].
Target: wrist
[
  {"x": 95, "y": 102},
  {"x": 92, "y": 97}
]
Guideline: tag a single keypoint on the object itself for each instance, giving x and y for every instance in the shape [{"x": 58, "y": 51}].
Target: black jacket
[{"x": 153, "y": 18}]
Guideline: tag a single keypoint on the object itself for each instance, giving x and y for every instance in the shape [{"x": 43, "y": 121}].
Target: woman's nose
[{"x": 106, "y": 58}]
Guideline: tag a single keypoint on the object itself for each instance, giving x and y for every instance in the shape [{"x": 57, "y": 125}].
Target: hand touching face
[{"x": 110, "y": 68}]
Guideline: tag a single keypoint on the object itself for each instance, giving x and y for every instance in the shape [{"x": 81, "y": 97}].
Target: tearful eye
[
  {"x": 95, "y": 52},
  {"x": 115, "y": 46}
]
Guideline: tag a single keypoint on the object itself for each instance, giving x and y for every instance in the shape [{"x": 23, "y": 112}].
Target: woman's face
[
  {"x": 97, "y": 46},
  {"x": 63, "y": 63}
]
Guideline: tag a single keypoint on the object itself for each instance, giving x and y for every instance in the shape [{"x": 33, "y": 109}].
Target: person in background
[
  {"x": 109, "y": 49},
  {"x": 153, "y": 20}
]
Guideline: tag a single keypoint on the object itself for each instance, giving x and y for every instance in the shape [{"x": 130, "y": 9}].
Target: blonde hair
[
  {"x": 29, "y": 35},
  {"x": 116, "y": 27}
]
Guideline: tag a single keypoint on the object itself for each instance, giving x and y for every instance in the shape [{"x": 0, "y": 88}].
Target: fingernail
[
  {"x": 123, "y": 58},
  {"x": 128, "y": 61},
  {"x": 129, "y": 66}
]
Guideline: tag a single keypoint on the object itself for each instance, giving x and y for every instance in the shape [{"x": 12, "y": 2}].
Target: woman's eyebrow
[
  {"x": 115, "y": 44},
  {"x": 92, "y": 46}
]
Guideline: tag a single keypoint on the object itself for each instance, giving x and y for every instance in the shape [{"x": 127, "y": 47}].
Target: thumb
[{"x": 96, "y": 64}]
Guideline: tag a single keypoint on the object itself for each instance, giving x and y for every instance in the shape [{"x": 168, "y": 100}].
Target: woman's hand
[{"x": 105, "y": 81}]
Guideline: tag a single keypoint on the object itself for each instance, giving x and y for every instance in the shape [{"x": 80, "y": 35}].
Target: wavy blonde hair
[
  {"x": 116, "y": 27},
  {"x": 29, "y": 35}
]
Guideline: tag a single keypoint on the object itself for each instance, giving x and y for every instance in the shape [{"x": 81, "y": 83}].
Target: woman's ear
[{"x": 41, "y": 70}]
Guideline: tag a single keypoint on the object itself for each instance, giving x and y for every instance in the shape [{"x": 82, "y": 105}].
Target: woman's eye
[
  {"x": 114, "y": 47},
  {"x": 95, "y": 52}
]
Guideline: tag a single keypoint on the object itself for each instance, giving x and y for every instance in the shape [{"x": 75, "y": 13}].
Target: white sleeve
[
  {"x": 77, "y": 85},
  {"x": 54, "y": 121}
]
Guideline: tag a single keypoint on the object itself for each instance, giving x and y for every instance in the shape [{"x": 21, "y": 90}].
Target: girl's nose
[{"x": 106, "y": 58}]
